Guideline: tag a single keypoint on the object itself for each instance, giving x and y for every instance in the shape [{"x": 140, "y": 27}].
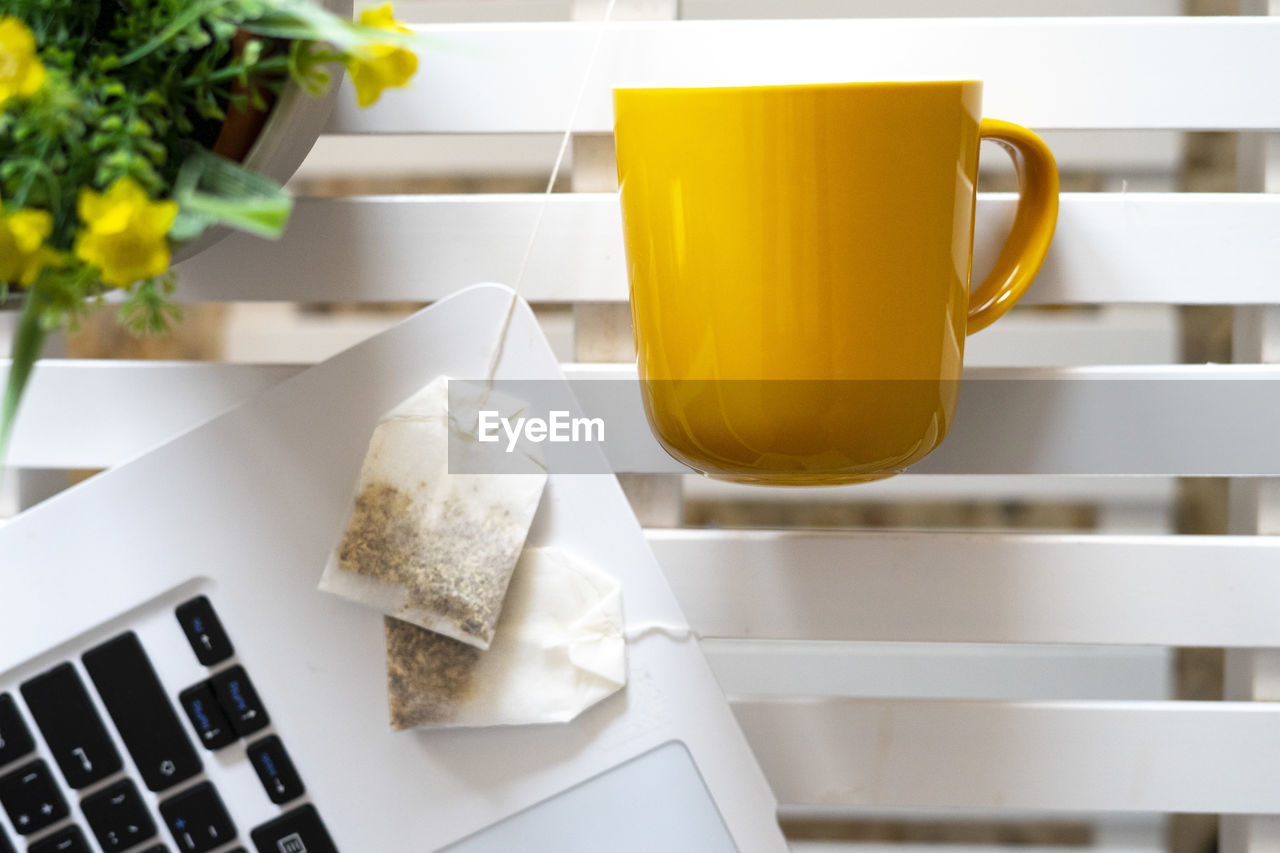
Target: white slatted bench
[{"x": 882, "y": 671}]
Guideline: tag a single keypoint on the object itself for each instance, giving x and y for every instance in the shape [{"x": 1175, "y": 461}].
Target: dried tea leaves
[
  {"x": 429, "y": 547},
  {"x": 559, "y": 649},
  {"x": 429, "y": 675}
]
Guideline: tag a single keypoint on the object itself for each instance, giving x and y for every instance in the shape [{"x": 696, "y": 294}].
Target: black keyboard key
[
  {"x": 69, "y": 839},
  {"x": 71, "y": 726},
  {"x": 206, "y": 716},
  {"x": 158, "y": 848},
  {"x": 143, "y": 715},
  {"x": 15, "y": 737},
  {"x": 204, "y": 631},
  {"x": 197, "y": 819},
  {"x": 31, "y": 798},
  {"x": 298, "y": 831},
  {"x": 118, "y": 816},
  {"x": 239, "y": 700},
  {"x": 5, "y": 846},
  {"x": 276, "y": 770}
]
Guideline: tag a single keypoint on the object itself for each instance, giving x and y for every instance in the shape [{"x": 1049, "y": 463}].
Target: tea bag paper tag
[
  {"x": 428, "y": 546},
  {"x": 559, "y": 649},
  {"x": 596, "y": 643}
]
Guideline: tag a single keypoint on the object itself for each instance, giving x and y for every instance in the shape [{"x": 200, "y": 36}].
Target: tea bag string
[
  {"x": 546, "y": 195},
  {"x": 679, "y": 633}
]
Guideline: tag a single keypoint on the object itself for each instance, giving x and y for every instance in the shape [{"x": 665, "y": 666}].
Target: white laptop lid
[{"x": 247, "y": 508}]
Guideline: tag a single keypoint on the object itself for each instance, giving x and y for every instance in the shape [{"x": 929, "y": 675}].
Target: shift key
[{"x": 142, "y": 712}]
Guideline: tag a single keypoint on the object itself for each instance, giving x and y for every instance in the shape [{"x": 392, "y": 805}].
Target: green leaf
[
  {"x": 186, "y": 21},
  {"x": 147, "y": 310},
  {"x": 27, "y": 344},
  {"x": 306, "y": 21},
  {"x": 212, "y": 190}
]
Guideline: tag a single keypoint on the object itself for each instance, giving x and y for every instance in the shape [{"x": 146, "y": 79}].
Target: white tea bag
[
  {"x": 559, "y": 649},
  {"x": 426, "y": 546}
]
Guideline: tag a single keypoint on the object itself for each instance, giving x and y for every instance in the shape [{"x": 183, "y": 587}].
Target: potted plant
[{"x": 134, "y": 133}]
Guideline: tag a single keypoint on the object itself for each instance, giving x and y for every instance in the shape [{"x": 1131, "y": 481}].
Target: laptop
[{"x": 171, "y": 679}]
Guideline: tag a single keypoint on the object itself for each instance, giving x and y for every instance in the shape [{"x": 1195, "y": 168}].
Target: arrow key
[
  {"x": 204, "y": 631},
  {"x": 206, "y": 716},
  {"x": 197, "y": 819},
  {"x": 118, "y": 816},
  {"x": 239, "y": 700},
  {"x": 275, "y": 770}
]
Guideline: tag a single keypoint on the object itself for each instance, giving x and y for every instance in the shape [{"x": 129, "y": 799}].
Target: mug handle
[{"x": 1033, "y": 223}]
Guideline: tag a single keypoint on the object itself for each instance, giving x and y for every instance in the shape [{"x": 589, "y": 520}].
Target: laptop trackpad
[{"x": 656, "y": 801}]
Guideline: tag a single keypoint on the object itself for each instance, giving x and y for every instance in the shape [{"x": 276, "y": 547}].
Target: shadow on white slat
[
  {"x": 1144, "y": 154},
  {"x": 757, "y": 668}
]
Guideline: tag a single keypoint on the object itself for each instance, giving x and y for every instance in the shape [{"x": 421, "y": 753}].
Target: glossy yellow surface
[{"x": 799, "y": 263}]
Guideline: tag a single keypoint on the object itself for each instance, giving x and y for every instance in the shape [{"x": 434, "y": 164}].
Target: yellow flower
[
  {"x": 375, "y": 67},
  {"x": 21, "y": 72},
  {"x": 124, "y": 232},
  {"x": 22, "y": 250}
]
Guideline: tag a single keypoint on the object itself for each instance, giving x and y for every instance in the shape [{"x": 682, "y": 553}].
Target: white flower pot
[{"x": 291, "y": 130}]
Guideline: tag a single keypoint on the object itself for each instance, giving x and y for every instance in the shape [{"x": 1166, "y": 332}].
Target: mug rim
[{"x": 763, "y": 87}]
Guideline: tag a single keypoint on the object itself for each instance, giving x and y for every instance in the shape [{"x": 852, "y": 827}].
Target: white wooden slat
[
  {"x": 1105, "y": 756},
  {"x": 139, "y": 404},
  {"x": 286, "y": 332},
  {"x": 1211, "y": 420},
  {"x": 1101, "y": 73},
  {"x": 1109, "y": 248},
  {"x": 937, "y": 671},
  {"x": 1112, "y": 334},
  {"x": 975, "y": 587}
]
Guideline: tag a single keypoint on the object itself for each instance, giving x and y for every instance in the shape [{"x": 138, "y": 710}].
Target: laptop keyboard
[{"x": 114, "y": 816}]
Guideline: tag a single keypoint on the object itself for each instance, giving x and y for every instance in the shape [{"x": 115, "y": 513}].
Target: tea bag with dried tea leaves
[
  {"x": 559, "y": 649},
  {"x": 427, "y": 546}
]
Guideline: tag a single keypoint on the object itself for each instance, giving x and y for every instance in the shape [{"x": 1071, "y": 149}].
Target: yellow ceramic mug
[{"x": 799, "y": 261}]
